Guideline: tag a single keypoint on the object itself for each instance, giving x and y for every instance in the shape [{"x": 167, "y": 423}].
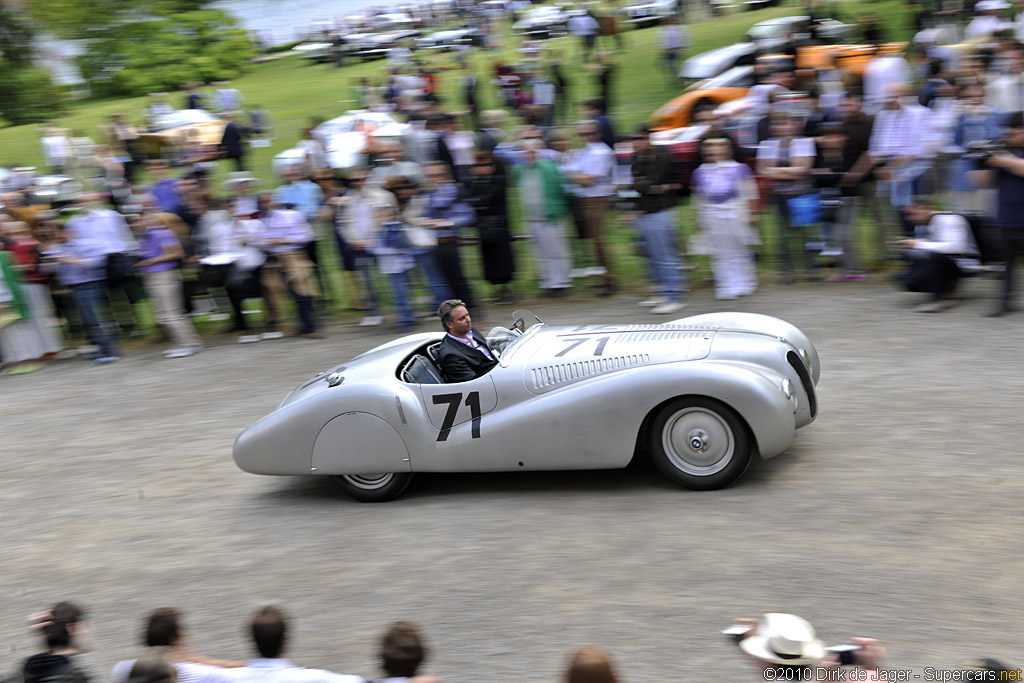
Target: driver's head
[{"x": 454, "y": 317}]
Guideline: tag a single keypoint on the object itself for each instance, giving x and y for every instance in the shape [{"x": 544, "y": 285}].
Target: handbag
[{"x": 804, "y": 209}]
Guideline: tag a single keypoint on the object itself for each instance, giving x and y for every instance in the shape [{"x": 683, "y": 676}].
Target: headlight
[{"x": 789, "y": 389}]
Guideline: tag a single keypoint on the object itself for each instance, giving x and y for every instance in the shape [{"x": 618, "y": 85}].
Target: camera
[
  {"x": 736, "y": 632},
  {"x": 980, "y": 151},
  {"x": 846, "y": 654}
]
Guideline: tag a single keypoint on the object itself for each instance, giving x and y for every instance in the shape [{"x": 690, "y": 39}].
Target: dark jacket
[
  {"x": 650, "y": 170},
  {"x": 47, "y": 668},
  {"x": 231, "y": 143},
  {"x": 461, "y": 363}
]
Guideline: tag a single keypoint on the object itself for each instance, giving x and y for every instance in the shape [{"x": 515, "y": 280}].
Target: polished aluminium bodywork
[{"x": 561, "y": 398}]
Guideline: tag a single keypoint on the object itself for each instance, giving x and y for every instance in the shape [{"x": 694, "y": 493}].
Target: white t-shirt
[{"x": 798, "y": 147}]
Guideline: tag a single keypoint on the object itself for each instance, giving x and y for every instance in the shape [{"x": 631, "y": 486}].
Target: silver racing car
[{"x": 702, "y": 395}]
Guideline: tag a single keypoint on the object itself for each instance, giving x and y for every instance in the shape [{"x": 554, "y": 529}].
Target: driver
[{"x": 464, "y": 354}]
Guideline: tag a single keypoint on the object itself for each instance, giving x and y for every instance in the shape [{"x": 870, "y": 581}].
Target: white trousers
[{"x": 552, "y": 254}]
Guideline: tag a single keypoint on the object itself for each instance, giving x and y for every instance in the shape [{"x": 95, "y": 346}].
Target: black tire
[
  {"x": 700, "y": 443},
  {"x": 373, "y": 488}
]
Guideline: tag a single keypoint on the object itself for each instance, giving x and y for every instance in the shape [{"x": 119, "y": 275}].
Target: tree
[
  {"x": 27, "y": 94},
  {"x": 164, "y": 51}
]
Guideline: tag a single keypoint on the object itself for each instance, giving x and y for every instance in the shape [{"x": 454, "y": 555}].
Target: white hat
[
  {"x": 784, "y": 639},
  {"x": 237, "y": 177}
]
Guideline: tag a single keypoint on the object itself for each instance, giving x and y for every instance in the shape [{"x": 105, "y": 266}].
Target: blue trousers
[
  {"x": 657, "y": 230},
  {"x": 94, "y": 308},
  {"x": 400, "y": 291}
]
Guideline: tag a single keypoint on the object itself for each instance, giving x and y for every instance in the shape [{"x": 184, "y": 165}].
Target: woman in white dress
[{"x": 724, "y": 192}]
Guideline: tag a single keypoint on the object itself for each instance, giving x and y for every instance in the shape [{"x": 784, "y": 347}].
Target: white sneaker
[
  {"x": 371, "y": 320},
  {"x": 183, "y": 352},
  {"x": 670, "y": 307},
  {"x": 219, "y": 317},
  {"x": 577, "y": 273},
  {"x": 106, "y": 360},
  {"x": 596, "y": 270},
  {"x": 273, "y": 334},
  {"x": 653, "y": 301},
  {"x": 248, "y": 338}
]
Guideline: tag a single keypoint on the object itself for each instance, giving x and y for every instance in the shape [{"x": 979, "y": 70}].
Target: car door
[{"x": 457, "y": 413}]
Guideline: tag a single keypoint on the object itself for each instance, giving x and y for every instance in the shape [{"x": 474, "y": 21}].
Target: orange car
[
  {"x": 734, "y": 83},
  {"x": 677, "y": 112},
  {"x": 852, "y": 58}
]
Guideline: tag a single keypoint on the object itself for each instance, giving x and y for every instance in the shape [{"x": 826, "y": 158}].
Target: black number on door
[{"x": 454, "y": 401}]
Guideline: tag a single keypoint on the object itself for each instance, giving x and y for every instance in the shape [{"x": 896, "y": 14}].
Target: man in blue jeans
[
  {"x": 81, "y": 265},
  {"x": 653, "y": 181}
]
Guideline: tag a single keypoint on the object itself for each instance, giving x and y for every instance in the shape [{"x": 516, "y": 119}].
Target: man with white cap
[
  {"x": 987, "y": 22},
  {"x": 786, "y": 647}
]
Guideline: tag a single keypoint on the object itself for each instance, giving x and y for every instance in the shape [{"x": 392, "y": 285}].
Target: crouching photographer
[
  {"x": 785, "y": 647},
  {"x": 1004, "y": 170},
  {"x": 943, "y": 249}
]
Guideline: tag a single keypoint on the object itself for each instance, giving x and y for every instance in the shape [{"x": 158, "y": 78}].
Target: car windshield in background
[{"x": 185, "y": 117}]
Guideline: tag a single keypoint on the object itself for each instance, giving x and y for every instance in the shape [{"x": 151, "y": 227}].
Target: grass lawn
[{"x": 295, "y": 92}]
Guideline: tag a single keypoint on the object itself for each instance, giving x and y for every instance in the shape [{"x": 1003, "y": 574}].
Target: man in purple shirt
[
  {"x": 80, "y": 264},
  {"x": 165, "y": 190},
  {"x": 161, "y": 254},
  {"x": 287, "y": 265}
]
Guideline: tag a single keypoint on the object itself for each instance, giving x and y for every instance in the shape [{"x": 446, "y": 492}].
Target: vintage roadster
[{"x": 702, "y": 395}]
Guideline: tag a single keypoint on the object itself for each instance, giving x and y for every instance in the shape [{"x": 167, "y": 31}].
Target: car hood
[{"x": 553, "y": 357}]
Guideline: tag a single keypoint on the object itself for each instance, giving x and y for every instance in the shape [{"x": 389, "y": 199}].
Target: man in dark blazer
[
  {"x": 232, "y": 145},
  {"x": 464, "y": 354}
]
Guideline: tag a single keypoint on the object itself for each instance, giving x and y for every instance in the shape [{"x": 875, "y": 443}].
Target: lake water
[{"x": 279, "y": 21}]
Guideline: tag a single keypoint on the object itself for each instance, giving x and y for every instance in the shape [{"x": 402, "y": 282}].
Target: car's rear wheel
[
  {"x": 373, "y": 488},
  {"x": 700, "y": 443}
]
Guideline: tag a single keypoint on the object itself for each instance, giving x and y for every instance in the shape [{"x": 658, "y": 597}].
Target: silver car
[{"x": 702, "y": 395}]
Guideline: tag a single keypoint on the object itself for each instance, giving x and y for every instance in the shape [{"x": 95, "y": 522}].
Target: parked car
[
  {"x": 542, "y": 22},
  {"x": 702, "y": 396},
  {"x": 376, "y": 45},
  {"x": 450, "y": 39},
  {"x": 716, "y": 62},
  {"x": 348, "y": 138},
  {"x": 171, "y": 131},
  {"x": 54, "y": 190},
  {"x": 650, "y": 12},
  {"x": 731, "y": 85},
  {"x": 771, "y": 33}
]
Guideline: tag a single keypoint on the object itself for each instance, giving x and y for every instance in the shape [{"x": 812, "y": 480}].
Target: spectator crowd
[
  {"x": 780, "y": 646},
  {"x": 914, "y": 157}
]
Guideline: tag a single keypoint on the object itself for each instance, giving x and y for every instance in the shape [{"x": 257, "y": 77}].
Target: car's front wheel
[
  {"x": 373, "y": 488},
  {"x": 700, "y": 443}
]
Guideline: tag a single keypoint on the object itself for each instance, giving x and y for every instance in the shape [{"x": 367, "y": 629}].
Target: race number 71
[{"x": 454, "y": 401}]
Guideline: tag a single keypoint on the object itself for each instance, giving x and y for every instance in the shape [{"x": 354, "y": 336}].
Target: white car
[
  {"x": 542, "y": 22},
  {"x": 650, "y": 13},
  {"x": 771, "y": 33},
  {"x": 716, "y": 62},
  {"x": 347, "y": 139}
]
